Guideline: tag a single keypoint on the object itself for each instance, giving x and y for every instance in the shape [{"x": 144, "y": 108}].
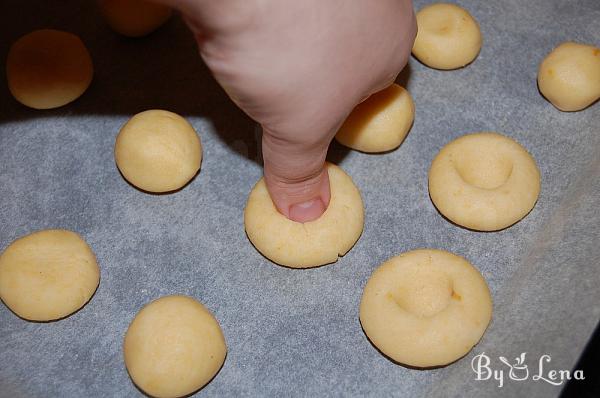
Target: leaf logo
[{"x": 519, "y": 370}]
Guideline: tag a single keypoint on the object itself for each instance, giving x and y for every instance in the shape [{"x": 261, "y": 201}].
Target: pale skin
[{"x": 298, "y": 67}]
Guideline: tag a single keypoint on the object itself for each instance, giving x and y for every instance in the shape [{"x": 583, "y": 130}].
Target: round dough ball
[
  {"x": 48, "y": 275},
  {"x": 158, "y": 151},
  {"x": 134, "y": 18},
  {"x": 569, "y": 77},
  {"x": 48, "y": 68},
  {"x": 311, "y": 244},
  {"x": 173, "y": 347},
  {"x": 447, "y": 38},
  {"x": 484, "y": 181},
  {"x": 379, "y": 123},
  {"x": 425, "y": 308}
]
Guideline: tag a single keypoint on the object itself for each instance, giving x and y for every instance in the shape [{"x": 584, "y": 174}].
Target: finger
[{"x": 296, "y": 177}]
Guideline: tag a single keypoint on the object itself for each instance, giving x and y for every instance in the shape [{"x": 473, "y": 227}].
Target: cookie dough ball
[
  {"x": 158, "y": 151},
  {"x": 425, "y": 308},
  {"x": 484, "y": 181},
  {"x": 448, "y": 37},
  {"x": 379, "y": 123},
  {"x": 48, "y": 275},
  {"x": 134, "y": 18},
  {"x": 173, "y": 347},
  {"x": 311, "y": 244},
  {"x": 569, "y": 77},
  {"x": 48, "y": 68}
]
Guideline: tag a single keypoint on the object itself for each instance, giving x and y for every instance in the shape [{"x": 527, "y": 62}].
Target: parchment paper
[{"x": 296, "y": 332}]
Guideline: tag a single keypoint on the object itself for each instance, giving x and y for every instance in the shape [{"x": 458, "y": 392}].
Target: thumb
[{"x": 296, "y": 176}]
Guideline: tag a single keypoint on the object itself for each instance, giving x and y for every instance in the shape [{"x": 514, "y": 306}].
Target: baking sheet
[{"x": 296, "y": 332}]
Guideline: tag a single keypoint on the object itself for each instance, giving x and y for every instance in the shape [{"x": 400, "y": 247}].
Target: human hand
[{"x": 298, "y": 68}]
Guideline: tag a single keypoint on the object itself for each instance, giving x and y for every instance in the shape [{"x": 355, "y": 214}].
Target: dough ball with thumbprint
[{"x": 425, "y": 308}]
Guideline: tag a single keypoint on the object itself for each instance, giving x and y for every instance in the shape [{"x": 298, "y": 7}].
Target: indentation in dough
[
  {"x": 484, "y": 168},
  {"x": 424, "y": 292},
  {"x": 484, "y": 181},
  {"x": 311, "y": 244},
  {"x": 425, "y": 307}
]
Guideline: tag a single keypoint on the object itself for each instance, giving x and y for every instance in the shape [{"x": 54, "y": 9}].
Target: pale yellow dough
[
  {"x": 447, "y": 38},
  {"x": 311, "y": 244},
  {"x": 48, "y": 69},
  {"x": 569, "y": 77},
  {"x": 48, "y": 275},
  {"x": 158, "y": 151},
  {"x": 425, "y": 308},
  {"x": 173, "y": 347},
  {"x": 484, "y": 181},
  {"x": 134, "y": 18},
  {"x": 380, "y": 123}
]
